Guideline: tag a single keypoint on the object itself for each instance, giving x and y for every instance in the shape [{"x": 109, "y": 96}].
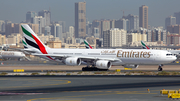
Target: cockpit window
[{"x": 169, "y": 54}]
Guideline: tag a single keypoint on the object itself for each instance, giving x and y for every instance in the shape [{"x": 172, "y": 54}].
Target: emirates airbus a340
[{"x": 101, "y": 59}]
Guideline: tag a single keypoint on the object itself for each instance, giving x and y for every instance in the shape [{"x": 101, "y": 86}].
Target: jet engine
[
  {"x": 103, "y": 64},
  {"x": 73, "y": 61},
  {"x": 131, "y": 66}
]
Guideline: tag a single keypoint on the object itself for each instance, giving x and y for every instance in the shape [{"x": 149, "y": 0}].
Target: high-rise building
[
  {"x": 47, "y": 16},
  {"x": 143, "y": 16},
  {"x": 112, "y": 23},
  {"x": 2, "y": 39},
  {"x": 2, "y": 26},
  {"x": 173, "y": 39},
  {"x": 59, "y": 33},
  {"x": 177, "y": 15},
  {"x": 71, "y": 31},
  {"x": 30, "y": 15},
  {"x": 114, "y": 38},
  {"x": 174, "y": 29},
  {"x": 47, "y": 30},
  {"x": 89, "y": 29},
  {"x": 105, "y": 25},
  {"x": 39, "y": 20},
  {"x": 136, "y": 37},
  {"x": 96, "y": 32},
  {"x": 122, "y": 24},
  {"x": 170, "y": 21},
  {"x": 56, "y": 31},
  {"x": 80, "y": 20},
  {"x": 34, "y": 27},
  {"x": 9, "y": 29},
  {"x": 96, "y": 24},
  {"x": 63, "y": 24},
  {"x": 106, "y": 38},
  {"x": 133, "y": 22}
]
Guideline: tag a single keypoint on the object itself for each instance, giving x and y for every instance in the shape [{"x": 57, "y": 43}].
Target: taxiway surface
[
  {"x": 92, "y": 88},
  {"x": 39, "y": 66}
]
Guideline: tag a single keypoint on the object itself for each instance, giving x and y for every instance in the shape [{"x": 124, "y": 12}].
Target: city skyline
[{"x": 63, "y": 10}]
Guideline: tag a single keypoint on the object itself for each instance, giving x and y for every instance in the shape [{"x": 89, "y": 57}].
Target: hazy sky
[{"x": 63, "y": 10}]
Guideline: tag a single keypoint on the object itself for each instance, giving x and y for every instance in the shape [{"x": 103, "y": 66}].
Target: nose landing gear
[{"x": 160, "y": 67}]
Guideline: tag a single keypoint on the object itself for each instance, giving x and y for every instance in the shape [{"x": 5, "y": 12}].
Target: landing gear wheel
[
  {"x": 83, "y": 69},
  {"x": 92, "y": 69},
  {"x": 160, "y": 68}
]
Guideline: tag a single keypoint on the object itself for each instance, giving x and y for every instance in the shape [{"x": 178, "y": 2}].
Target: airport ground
[
  {"x": 92, "y": 88},
  {"x": 84, "y": 88},
  {"x": 48, "y": 65}
]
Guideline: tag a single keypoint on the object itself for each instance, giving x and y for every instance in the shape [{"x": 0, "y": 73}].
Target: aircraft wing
[{"x": 81, "y": 57}]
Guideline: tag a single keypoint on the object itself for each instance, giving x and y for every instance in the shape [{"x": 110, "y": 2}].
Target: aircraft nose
[{"x": 174, "y": 58}]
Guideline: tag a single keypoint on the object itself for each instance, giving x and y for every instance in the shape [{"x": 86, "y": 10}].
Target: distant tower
[
  {"x": 39, "y": 20},
  {"x": 47, "y": 15},
  {"x": 80, "y": 20},
  {"x": 177, "y": 15},
  {"x": 29, "y": 16},
  {"x": 71, "y": 31},
  {"x": 170, "y": 21},
  {"x": 143, "y": 16}
]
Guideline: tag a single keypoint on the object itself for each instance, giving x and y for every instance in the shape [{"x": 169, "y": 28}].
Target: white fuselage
[
  {"x": 11, "y": 54},
  {"x": 123, "y": 56}
]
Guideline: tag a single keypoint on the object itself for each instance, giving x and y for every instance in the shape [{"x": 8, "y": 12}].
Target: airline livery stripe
[
  {"x": 87, "y": 44},
  {"x": 24, "y": 43},
  {"x": 32, "y": 44},
  {"x": 144, "y": 45},
  {"x": 26, "y": 32},
  {"x": 41, "y": 47},
  {"x": 25, "y": 47}
]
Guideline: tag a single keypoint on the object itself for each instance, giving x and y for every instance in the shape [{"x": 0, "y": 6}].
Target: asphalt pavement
[{"x": 86, "y": 88}]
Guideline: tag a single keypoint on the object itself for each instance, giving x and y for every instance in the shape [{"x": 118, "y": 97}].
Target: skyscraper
[
  {"x": 133, "y": 22},
  {"x": 143, "y": 16},
  {"x": 96, "y": 24},
  {"x": 177, "y": 15},
  {"x": 105, "y": 25},
  {"x": 170, "y": 21},
  {"x": 47, "y": 15},
  {"x": 122, "y": 24},
  {"x": 80, "y": 20},
  {"x": 2, "y": 26},
  {"x": 63, "y": 24},
  {"x": 114, "y": 38},
  {"x": 30, "y": 15},
  {"x": 71, "y": 31},
  {"x": 39, "y": 20}
]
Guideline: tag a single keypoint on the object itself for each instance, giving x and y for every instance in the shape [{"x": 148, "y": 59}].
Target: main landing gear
[
  {"x": 160, "y": 67},
  {"x": 92, "y": 69}
]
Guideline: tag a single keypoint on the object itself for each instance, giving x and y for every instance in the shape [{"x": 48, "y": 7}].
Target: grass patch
[
  {"x": 68, "y": 74},
  {"x": 35, "y": 73},
  {"x": 175, "y": 73},
  {"x": 79, "y": 72},
  {"x": 47, "y": 73},
  {"x": 163, "y": 73},
  {"x": 3, "y": 73}
]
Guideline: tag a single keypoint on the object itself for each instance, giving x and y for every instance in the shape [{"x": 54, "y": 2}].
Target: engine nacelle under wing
[
  {"x": 131, "y": 66},
  {"x": 73, "y": 61},
  {"x": 103, "y": 64}
]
